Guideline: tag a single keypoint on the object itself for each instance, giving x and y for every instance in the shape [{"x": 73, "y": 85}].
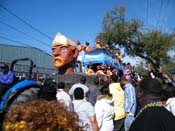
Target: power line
[
  {"x": 158, "y": 20},
  {"x": 21, "y": 43},
  {"x": 163, "y": 16},
  {"x": 23, "y": 33},
  {"x": 25, "y": 22},
  {"x": 5, "y": 38},
  {"x": 147, "y": 13},
  {"x": 171, "y": 35},
  {"x": 159, "y": 15}
]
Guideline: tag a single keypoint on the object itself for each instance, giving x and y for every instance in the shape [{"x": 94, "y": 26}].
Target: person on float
[
  {"x": 98, "y": 44},
  {"x": 87, "y": 47},
  {"x": 90, "y": 71},
  {"x": 100, "y": 71},
  {"x": 108, "y": 71}
]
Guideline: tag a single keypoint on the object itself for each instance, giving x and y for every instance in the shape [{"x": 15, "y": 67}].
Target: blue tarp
[{"x": 102, "y": 56}]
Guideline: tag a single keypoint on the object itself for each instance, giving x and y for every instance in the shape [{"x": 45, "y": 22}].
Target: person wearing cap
[
  {"x": 6, "y": 78},
  {"x": 64, "y": 53}
]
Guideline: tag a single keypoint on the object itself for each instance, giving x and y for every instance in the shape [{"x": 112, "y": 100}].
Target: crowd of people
[
  {"x": 117, "y": 101},
  {"x": 114, "y": 105}
]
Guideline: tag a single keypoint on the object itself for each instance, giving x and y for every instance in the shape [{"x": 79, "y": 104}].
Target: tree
[{"x": 151, "y": 45}]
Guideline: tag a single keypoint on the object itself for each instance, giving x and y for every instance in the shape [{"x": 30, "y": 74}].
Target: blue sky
[{"x": 76, "y": 19}]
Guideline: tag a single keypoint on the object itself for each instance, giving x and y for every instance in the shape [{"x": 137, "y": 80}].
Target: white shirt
[
  {"x": 170, "y": 105},
  {"x": 64, "y": 97},
  {"x": 84, "y": 109},
  {"x": 84, "y": 87},
  {"x": 104, "y": 111}
]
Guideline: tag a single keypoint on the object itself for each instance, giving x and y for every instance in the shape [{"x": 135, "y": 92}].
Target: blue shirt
[
  {"x": 130, "y": 99},
  {"x": 6, "y": 78}
]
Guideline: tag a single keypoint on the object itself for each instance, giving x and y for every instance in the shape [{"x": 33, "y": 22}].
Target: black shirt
[{"x": 154, "y": 119}]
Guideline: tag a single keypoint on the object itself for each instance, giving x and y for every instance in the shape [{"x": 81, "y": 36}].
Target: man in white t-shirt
[
  {"x": 81, "y": 85},
  {"x": 85, "y": 111}
]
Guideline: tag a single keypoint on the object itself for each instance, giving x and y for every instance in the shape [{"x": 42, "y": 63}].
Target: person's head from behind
[
  {"x": 105, "y": 90},
  {"x": 41, "y": 115},
  {"x": 78, "y": 93},
  {"x": 114, "y": 78},
  {"x": 149, "y": 89},
  {"x": 48, "y": 90},
  {"x": 168, "y": 91},
  {"x": 83, "y": 79},
  {"x": 123, "y": 81},
  {"x": 60, "y": 85},
  {"x": 87, "y": 43},
  {"x": 64, "y": 52}
]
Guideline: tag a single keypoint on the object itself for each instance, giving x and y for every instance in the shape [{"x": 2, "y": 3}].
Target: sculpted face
[{"x": 63, "y": 55}]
